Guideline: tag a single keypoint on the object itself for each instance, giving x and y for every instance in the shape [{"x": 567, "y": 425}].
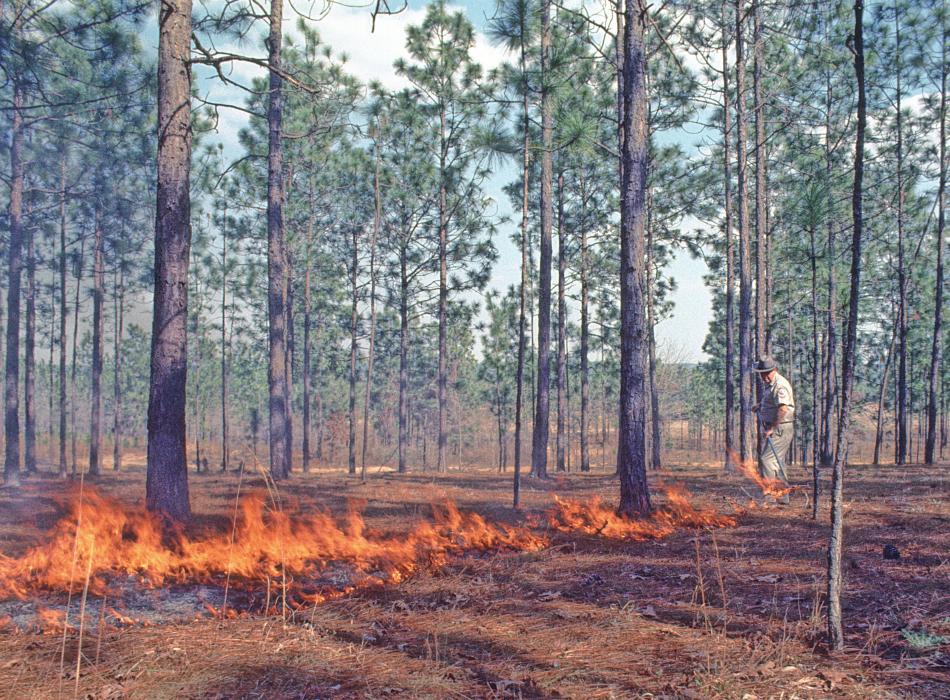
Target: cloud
[{"x": 370, "y": 54}]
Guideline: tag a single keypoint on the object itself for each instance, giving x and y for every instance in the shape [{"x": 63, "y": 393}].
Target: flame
[
  {"x": 121, "y": 619},
  {"x": 102, "y": 536},
  {"x": 51, "y": 621},
  {"x": 593, "y": 517},
  {"x": 294, "y": 556},
  {"x": 769, "y": 487}
]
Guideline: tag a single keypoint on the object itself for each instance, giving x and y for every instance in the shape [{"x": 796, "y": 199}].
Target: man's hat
[{"x": 765, "y": 364}]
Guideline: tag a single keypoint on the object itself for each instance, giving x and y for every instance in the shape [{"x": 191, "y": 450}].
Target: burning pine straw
[
  {"x": 593, "y": 517},
  {"x": 776, "y": 488},
  {"x": 271, "y": 561},
  {"x": 100, "y": 540}
]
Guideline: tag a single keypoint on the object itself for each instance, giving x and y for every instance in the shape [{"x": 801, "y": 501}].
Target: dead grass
[{"x": 728, "y": 613}]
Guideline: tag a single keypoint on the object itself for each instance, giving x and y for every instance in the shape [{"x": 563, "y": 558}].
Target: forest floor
[{"x": 733, "y": 612}]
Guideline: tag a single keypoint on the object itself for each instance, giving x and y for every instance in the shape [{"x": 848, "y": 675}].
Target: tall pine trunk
[
  {"x": 745, "y": 253},
  {"x": 119, "y": 312},
  {"x": 371, "y": 350},
  {"x": 655, "y": 417},
  {"x": 539, "y": 443},
  {"x": 289, "y": 364},
  {"x": 196, "y": 402},
  {"x": 585, "y": 352},
  {"x": 762, "y": 277},
  {"x": 836, "y": 541},
  {"x": 443, "y": 377},
  {"x": 879, "y": 425},
  {"x": 815, "y": 371},
  {"x": 29, "y": 352},
  {"x": 631, "y": 452},
  {"x": 830, "y": 379},
  {"x": 278, "y": 403},
  {"x": 561, "y": 439},
  {"x": 936, "y": 350},
  {"x": 225, "y": 444},
  {"x": 167, "y": 476},
  {"x": 903, "y": 414},
  {"x": 354, "y": 338},
  {"x": 11, "y": 423},
  {"x": 77, "y": 302},
  {"x": 321, "y": 418},
  {"x": 51, "y": 375},
  {"x": 523, "y": 290},
  {"x": 307, "y": 321},
  {"x": 761, "y": 193},
  {"x": 730, "y": 360},
  {"x": 403, "y": 358},
  {"x": 63, "y": 406},
  {"x": 98, "y": 326}
]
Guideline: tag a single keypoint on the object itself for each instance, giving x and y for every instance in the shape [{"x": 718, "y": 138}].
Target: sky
[{"x": 370, "y": 56}]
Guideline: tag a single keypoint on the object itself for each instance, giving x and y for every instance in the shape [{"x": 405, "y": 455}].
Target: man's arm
[{"x": 779, "y": 417}]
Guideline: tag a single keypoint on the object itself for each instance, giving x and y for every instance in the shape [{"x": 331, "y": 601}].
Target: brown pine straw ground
[{"x": 731, "y": 613}]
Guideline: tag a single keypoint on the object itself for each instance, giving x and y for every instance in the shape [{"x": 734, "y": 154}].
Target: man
[{"x": 777, "y": 416}]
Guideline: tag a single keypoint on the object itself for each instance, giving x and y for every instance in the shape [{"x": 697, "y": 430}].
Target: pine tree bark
[
  {"x": 307, "y": 320},
  {"x": 879, "y": 429},
  {"x": 443, "y": 377},
  {"x": 289, "y": 364},
  {"x": 29, "y": 355},
  {"x": 761, "y": 193},
  {"x": 403, "y": 359},
  {"x": 585, "y": 353},
  {"x": 561, "y": 438},
  {"x": 11, "y": 423},
  {"x": 371, "y": 350},
  {"x": 167, "y": 473},
  {"x": 943, "y": 416},
  {"x": 730, "y": 360},
  {"x": 225, "y": 443},
  {"x": 836, "y": 541},
  {"x": 745, "y": 254},
  {"x": 936, "y": 349},
  {"x": 523, "y": 310},
  {"x": 815, "y": 371},
  {"x": 762, "y": 277},
  {"x": 77, "y": 303},
  {"x": 354, "y": 337},
  {"x": 196, "y": 403},
  {"x": 631, "y": 448},
  {"x": 903, "y": 414},
  {"x": 119, "y": 312},
  {"x": 655, "y": 417},
  {"x": 539, "y": 443},
  {"x": 830, "y": 379},
  {"x": 51, "y": 376},
  {"x": 321, "y": 419},
  {"x": 278, "y": 404},
  {"x": 63, "y": 406},
  {"x": 98, "y": 325}
]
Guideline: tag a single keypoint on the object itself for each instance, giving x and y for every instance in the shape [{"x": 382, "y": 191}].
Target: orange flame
[
  {"x": 51, "y": 621},
  {"x": 769, "y": 487},
  {"x": 593, "y": 517},
  {"x": 288, "y": 552},
  {"x": 267, "y": 545}
]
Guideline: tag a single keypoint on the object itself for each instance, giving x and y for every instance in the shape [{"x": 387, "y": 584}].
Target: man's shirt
[{"x": 777, "y": 392}]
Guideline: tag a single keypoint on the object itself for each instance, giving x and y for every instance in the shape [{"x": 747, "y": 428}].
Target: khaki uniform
[{"x": 776, "y": 393}]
